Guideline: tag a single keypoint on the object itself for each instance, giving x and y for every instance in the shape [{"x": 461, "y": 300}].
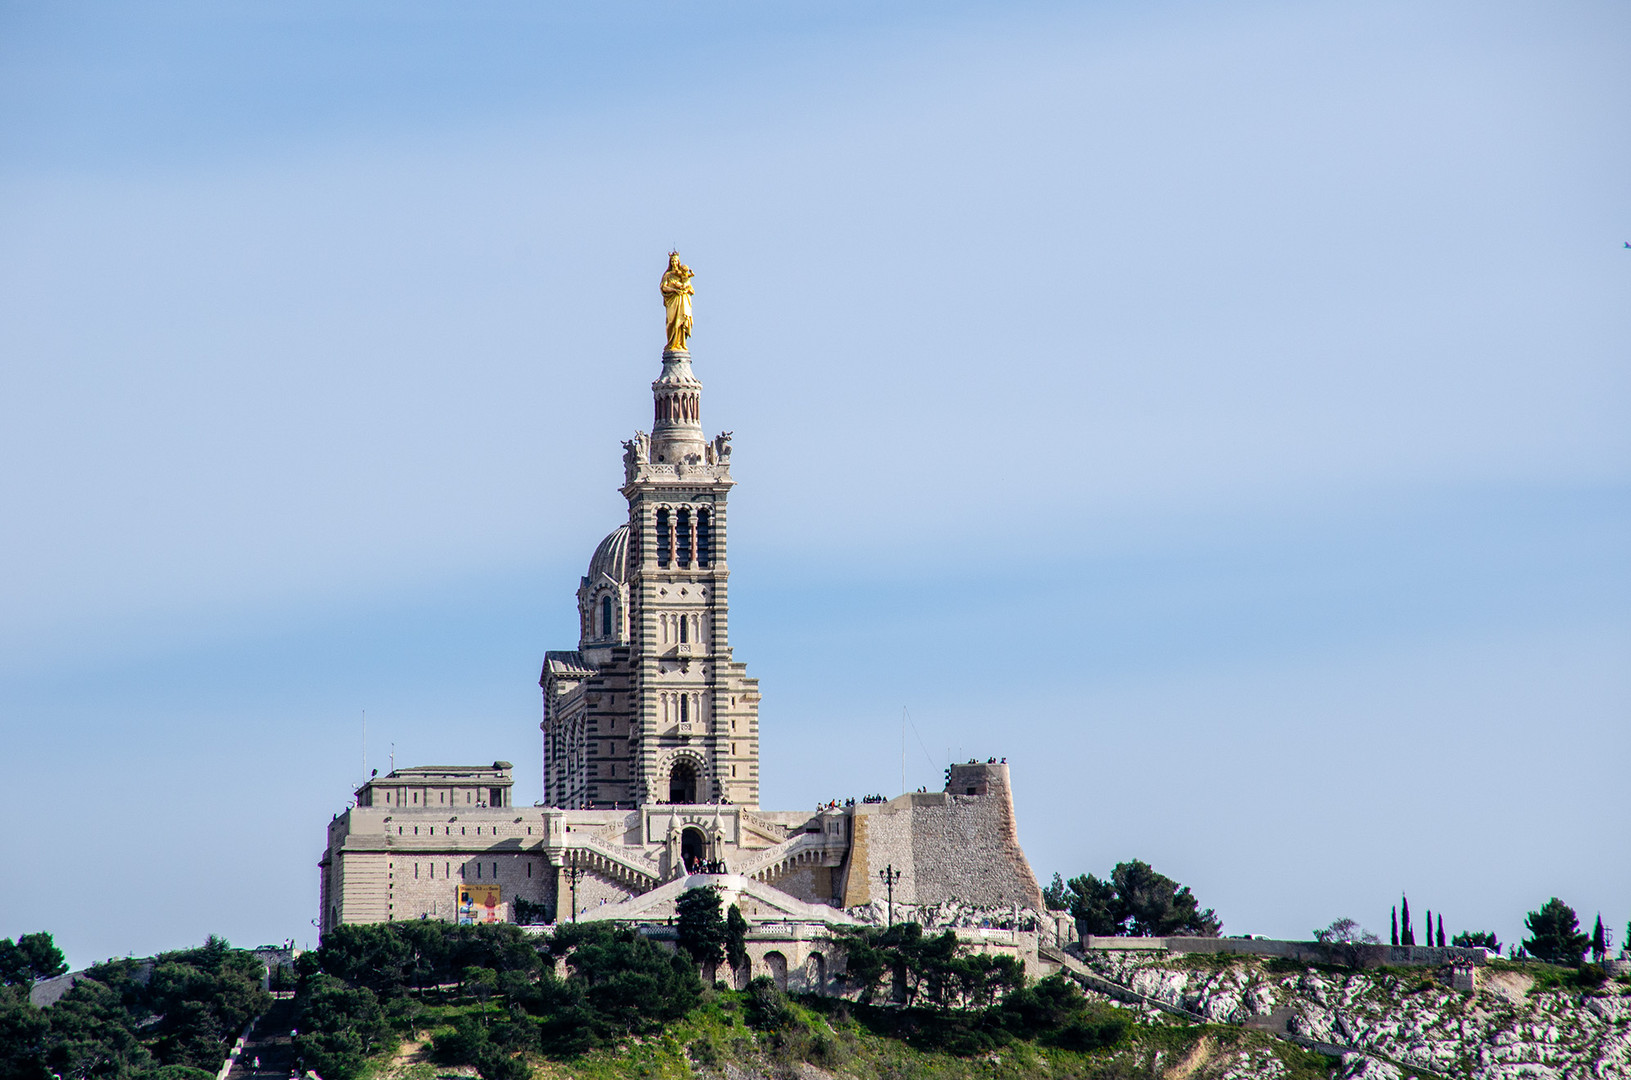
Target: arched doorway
[
  {"x": 817, "y": 974},
  {"x": 776, "y": 967},
  {"x": 682, "y": 783},
  {"x": 693, "y": 848}
]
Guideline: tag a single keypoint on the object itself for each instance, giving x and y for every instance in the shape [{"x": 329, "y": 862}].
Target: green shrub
[{"x": 767, "y": 1008}]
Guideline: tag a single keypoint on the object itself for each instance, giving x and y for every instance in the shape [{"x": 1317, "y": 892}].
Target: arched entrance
[
  {"x": 682, "y": 783},
  {"x": 817, "y": 974},
  {"x": 776, "y": 968},
  {"x": 693, "y": 848}
]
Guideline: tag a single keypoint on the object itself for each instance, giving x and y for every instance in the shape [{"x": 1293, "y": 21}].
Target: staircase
[
  {"x": 772, "y": 862},
  {"x": 614, "y": 862}
]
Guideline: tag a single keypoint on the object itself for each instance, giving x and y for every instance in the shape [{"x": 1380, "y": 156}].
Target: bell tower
[
  {"x": 696, "y": 710},
  {"x": 654, "y": 670}
]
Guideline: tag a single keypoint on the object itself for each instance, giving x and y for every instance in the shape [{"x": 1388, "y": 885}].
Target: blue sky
[{"x": 1219, "y": 412}]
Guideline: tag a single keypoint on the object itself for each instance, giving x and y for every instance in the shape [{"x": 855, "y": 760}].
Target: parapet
[
  {"x": 440, "y": 787},
  {"x": 978, "y": 778}
]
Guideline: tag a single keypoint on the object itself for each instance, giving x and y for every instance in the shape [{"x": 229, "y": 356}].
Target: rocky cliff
[{"x": 1515, "y": 1024}]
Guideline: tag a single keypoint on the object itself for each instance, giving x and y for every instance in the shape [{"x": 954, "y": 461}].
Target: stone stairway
[
  {"x": 270, "y": 1044},
  {"x": 774, "y": 861},
  {"x": 618, "y": 865}
]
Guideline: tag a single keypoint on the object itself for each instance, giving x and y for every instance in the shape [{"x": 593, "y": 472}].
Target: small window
[
  {"x": 605, "y": 616},
  {"x": 529, "y": 865},
  {"x": 685, "y": 711},
  {"x": 684, "y": 625}
]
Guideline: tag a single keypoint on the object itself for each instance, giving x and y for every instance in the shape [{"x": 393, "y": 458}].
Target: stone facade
[
  {"x": 651, "y": 759},
  {"x": 651, "y": 706}
]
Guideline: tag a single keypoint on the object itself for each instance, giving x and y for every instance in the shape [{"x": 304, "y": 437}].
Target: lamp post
[
  {"x": 889, "y": 875},
  {"x": 573, "y": 872}
]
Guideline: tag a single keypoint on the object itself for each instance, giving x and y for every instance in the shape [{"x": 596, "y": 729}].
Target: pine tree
[
  {"x": 1406, "y": 935},
  {"x": 1393, "y": 920},
  {"x": 1555, "y": 934},
  {"x": 1599, "y": 941},
  {"x": 1441, "y": 930}
]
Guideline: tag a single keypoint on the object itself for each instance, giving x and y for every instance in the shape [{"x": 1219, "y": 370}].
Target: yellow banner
[{"x": 478, "y": 903}]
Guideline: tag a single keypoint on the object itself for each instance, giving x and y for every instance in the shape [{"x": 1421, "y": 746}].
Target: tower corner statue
[{"x": 650, "y": 757}]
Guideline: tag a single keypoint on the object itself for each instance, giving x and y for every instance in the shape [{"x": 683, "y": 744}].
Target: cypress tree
[
  {"x": 1599, "y": 941},
  {"x": 1406, "y": 935},
  {"x": 1441, "y": 930},
  {"x": 1428, "y": 940},
  {"x": 1393, "y": 920}
]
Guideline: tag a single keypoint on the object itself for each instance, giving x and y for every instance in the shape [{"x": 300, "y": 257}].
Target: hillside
[{"x": 423, "y": 1000}]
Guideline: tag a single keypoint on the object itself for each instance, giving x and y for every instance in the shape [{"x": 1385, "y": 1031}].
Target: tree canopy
[
  {"x": 1136, "y": 902},
  {"x": 30, "y": 957},
  {"x": 1554, "y": 934},
  {"x": 128, "y": 1019},
  {"x": 702, "y": 929}
]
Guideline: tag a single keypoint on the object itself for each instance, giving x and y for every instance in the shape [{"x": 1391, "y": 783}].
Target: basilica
[{"x": 651, "y": 753}]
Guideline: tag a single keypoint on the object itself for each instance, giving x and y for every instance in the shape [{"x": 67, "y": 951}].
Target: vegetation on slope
[{"x": 126, "y": 1021}]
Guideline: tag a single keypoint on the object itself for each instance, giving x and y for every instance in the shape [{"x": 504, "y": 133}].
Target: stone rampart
[{"x": 961, "y": 843}]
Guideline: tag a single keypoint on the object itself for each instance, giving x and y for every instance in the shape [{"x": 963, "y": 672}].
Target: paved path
[{"x": 270, "y": 1042}]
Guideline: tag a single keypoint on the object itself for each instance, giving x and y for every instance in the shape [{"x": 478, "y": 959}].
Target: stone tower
[{"x": 651, "y": 707}]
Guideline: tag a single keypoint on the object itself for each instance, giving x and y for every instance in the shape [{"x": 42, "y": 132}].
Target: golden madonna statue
[{"x": 677, "y": 293}]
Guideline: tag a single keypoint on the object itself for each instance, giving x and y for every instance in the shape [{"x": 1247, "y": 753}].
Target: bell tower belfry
[{"x": 652, "y": 707}]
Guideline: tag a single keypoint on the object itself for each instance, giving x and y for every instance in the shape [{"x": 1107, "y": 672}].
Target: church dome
[{"x": 612, "y": 557}]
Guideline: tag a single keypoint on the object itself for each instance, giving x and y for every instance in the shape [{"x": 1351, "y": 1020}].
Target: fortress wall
[
  {"x": 361, "y": 886},
  {"x": 593, "y": 890},
  {"x": 946, "y": 845},
  {"x": 881, "y": 837},
  {"x": 812, "y": 884},
  {"x": 414, "y": 893}
]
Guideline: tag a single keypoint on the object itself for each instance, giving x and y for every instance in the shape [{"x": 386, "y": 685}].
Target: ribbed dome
[{"x": 612, "y": 557}]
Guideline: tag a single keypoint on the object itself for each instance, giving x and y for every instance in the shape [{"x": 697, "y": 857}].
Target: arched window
[
  {"x": 665, "y": 542},
  {"x": 682, "y": 536},
  {"x": 685, "y": 712},
  {"x": 605, "y": 616},
  {"x": 683, "y": 623},
  {"x": 705, "y": 538}
]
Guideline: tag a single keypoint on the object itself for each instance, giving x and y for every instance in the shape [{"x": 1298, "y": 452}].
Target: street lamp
[
  {"x": 573, "y": 872},
  {"x": 889, "y": 875}
]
